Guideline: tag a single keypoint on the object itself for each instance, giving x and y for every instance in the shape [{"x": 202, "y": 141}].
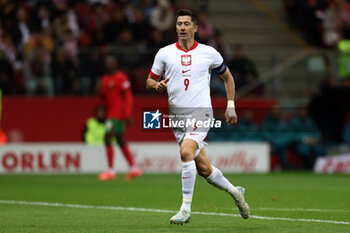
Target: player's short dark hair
[{"x": 186, "y": 12}]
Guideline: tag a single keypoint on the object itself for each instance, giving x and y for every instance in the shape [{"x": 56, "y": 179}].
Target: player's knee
[
  {"x": 204, "y": 171},
  {"x": 121, "y": 140},
  {"x": 186, "y": 154}
]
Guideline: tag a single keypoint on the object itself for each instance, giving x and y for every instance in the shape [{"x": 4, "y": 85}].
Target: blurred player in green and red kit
[{"x": 115, "y": 90}]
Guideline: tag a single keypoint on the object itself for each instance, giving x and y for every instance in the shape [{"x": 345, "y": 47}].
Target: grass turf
[{"x": 284, "y": 191}]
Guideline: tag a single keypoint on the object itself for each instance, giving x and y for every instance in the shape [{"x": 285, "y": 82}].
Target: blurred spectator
[
  {"x": 307, "y": 18},
  {"x": 127, "y": 49},
  {"x": 306, "y": 137},
  {"x": 64, "y": 74},
  {"x": 344, "y": 18},
  {"x": 113, "y": 28},
  {"x": 84, "y": 39},
  {"x": 70, "y": 44},
  {"x": 72, "y": 19},
  {"x": 157, "y": 40},
  {"x": 6, "y": 75},
  {"x": 8, "y": 11},
  {"x": 44, "y": 17},
  {"x": 9, "y": 49},
  {"x": 245, "y": 130},
  {"x": 129, "y": 9},
  {"x": 95, "y": 23},
  {"x": 140, "y": 27},
  {"x": 205, "y": 29},
  {"x": 330, "y": 26},
  {"x": 59, "y": 27},
  {"x": 21, "y": 30},
  {"x": 92, "y": 67},
  {"x": 242, "y": 68},
  {"x": 82, "y": 10},
  {"x": 36, "y": 71},
  {"x": 326, "y": 19},
  {"x": 39, "y": 40},
  {"x": 162, "y": 16},
  {"x": 274, "y": 131},
  {"x": 221, "y": 46}
]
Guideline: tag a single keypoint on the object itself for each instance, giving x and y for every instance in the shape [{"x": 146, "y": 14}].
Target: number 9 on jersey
[{"x": 186, "y": 83}]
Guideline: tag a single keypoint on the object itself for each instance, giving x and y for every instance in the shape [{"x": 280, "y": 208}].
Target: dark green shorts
[{"x": 116, "y": 125}]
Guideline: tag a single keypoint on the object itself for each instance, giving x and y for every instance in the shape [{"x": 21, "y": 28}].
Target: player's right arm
[
  {"x": 153, "y": 81},
  {"x": 153, "y": 84}
]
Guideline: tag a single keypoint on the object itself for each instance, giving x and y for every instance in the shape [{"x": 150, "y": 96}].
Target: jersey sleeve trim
[{"x": 155, "y": 76}]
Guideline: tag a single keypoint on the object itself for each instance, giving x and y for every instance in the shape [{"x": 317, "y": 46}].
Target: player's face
[
  {"x": 185, "y": 28},
  {"x": 110, "y": 64},
  {"x": 101, "y": 113}
]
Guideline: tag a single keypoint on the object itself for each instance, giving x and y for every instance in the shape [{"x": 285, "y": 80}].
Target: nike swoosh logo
[
  {"x": 185, "y": 177},
  {"x": 193, "y": 133},
  {"x": 185, "y": 71}
]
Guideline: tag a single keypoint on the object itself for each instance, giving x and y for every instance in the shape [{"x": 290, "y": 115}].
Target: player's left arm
[
  {"x": 223, "y": 71},
  {"x": 230, "y": 114}
]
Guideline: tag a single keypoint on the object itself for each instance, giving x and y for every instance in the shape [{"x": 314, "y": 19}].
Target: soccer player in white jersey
[{"x": 186, "y": 67}]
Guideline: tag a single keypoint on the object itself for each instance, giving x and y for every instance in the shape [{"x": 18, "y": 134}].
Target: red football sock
[
  {"x": 110, "y": 157},
  {"x": 128, "y": 155}
]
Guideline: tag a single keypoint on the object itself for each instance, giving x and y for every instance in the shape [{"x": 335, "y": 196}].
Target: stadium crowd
[
  {"x": 57, "y": 47},
  {"x": 323, "y": 22}
]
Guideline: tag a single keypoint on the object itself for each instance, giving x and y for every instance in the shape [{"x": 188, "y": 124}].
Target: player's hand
[
  {"x": 161, "y": 86},
  {"x": 231, "y": 116}
]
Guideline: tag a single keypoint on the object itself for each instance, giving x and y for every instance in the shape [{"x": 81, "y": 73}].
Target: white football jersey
[{"x": 188, "y": 73}]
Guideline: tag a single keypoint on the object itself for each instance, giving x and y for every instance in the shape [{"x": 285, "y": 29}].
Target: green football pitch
[{"x": 280, "y": 202}]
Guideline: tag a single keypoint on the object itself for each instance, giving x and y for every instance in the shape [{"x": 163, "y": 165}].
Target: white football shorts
[{"x": 181, "y": 134}]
